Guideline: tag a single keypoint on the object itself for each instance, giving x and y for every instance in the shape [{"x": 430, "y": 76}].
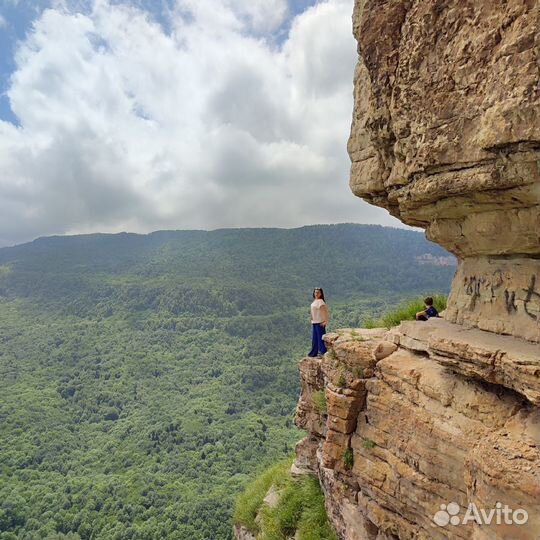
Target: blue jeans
[{"x": 317, "y": 343}]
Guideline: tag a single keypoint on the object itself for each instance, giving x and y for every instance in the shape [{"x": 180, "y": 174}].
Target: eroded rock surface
[
  {"x": 499, "y": 295},
  {"x": 507, "y": 361},
  {"x": 409, "y": 430},
  {"x": 446, "y": 136}
]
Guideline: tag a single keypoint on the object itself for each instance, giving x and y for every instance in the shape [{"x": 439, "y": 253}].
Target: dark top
[{"x": 431, "y": 312}]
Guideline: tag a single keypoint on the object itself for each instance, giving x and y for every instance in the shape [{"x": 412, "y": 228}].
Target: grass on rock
[
  {"x": 319, "y": 401},
  {"x": 405, "y": 312},
  {"x": 299, "y": 510}
]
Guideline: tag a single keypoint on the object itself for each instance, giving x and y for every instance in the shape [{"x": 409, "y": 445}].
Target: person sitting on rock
[
  {"x": 429, "y": 312},
  {"x": 319, "y": 320}
]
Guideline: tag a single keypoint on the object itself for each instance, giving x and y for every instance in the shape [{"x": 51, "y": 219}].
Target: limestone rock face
[
  {"x": 499, "y": 295},
  {"x": 507, "y": 361},
  {"x": 446, "y": 418},
  {"x": 446, "y": 136}
]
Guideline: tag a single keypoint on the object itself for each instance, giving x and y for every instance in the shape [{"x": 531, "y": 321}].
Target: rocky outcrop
[
  {"x": 446, "y": 136},
  {"x": 241, "y": 533},
  {"x": 407, "y": 431},
  {"x": 432, "y": 430},
  {"x": 498, "y": 294},
  {"x": 503, "y": 360}
]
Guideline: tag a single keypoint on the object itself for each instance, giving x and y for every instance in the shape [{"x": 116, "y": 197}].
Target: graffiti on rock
[
  {"x": 510, "y": 301},
  {"x": 532, "y": 295},
  {"x": 490, "y": 289}
]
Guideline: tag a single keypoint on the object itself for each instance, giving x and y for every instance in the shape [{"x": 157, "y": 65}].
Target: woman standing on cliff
[{"x": 319, "y": 319}]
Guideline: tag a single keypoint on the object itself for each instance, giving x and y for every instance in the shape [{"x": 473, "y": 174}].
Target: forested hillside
[{"x": 146, "y": 378}]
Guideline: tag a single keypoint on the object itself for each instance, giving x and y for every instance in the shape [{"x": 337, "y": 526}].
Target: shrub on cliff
[
  {"x": 319, "y": 401},
  {"x": 299, "y": 509},
  {"x": 251, "y": 500}
]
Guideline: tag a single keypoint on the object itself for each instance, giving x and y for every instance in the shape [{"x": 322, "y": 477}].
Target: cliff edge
[{"x": 432, "y": 430}]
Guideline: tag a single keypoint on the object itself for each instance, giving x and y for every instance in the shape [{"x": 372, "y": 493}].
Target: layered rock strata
[
  {"x": 446, "y": 136},
  {"x": 406, "y": 430}
]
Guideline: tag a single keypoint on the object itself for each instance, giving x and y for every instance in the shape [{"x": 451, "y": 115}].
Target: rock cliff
[
  {"x": 446, "y": 136},
  {"x": 418, "y": 420},
  {"x": 432, "y": 430}
]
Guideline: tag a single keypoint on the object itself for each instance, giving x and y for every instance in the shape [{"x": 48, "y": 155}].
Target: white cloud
[
  {"x": 124, "y": 126},
  {"x": 261, "y": 15}
]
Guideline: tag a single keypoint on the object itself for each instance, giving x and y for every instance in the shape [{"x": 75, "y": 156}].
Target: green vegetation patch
[
  {"x": 251, "y": 500},
  {"x": 299, "y": 510},
  {"x": 405, "y": 312},
  {"x": 341, "y": 380},
  {"x": 368, "y": 444},
  {"x": 348, "y": 459},
  {"x": 319, "y": 400}
]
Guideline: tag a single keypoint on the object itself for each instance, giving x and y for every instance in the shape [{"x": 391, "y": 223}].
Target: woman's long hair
[{"x": 318, "y": 289}]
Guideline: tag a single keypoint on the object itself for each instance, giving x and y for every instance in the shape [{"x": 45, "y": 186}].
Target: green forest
[{"x": 146, "y": 379}]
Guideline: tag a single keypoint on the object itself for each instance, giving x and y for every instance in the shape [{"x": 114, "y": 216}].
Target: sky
[{"x": 139, "y": 115}]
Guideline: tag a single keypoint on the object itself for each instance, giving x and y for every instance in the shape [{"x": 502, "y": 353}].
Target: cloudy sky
[{"x": 173, "y": 114}]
